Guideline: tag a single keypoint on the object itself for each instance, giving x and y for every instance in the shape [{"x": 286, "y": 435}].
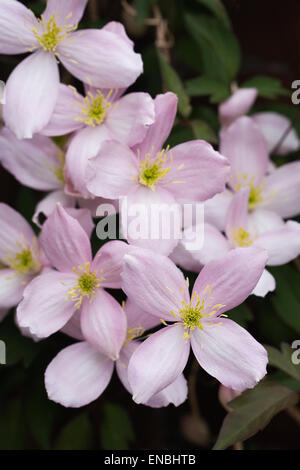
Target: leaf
[
  {"x": 116, "y": 429},
  {"x": 143, "y": 7},
  {"x": 252, "y": 412},
  {"x": 268, "y": 87},
  {"x": 76, "y": 435},
  {"x": 217, "y": 7},
  {"x": 241, "y": 314},
  {"x": 202, "y": 86},
  {"x": 174, "y": 83},
  {"x": 286, "y": 298},
  {"x": 283, "y": 360},
  {"x": 203, "y": 131},
  {"x": 12, "y": 427},
  {"x": 217, "y": 44}
]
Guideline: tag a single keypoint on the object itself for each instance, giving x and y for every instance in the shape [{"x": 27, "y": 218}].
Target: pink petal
[
  {"x": 101, "y": 58},
  {"x": 16, "y": 23},
  {"x": 260, "y": 221},
  {"x": 45, "y": 307},
  {"x": 176, "y": 393},
  {"x": 103, "y": 324},
  {"x": 11, "y": 288},
  {"x": 138, "y": 318},
  {"x": 108, "y": 263},
  {"x": 118, "y": 28},
  {"x": 231, "y": 278},
  {"x": 15, "y": 232},
  {"x": 112, "y": 172},
  {"x": 246, "y": 149},
  {"x": 283, "y": 189},
  {"x": 32, "y": 162},
  {"x": 84, "y": 145},
  {"x": 31, "y": 93},
  {"x": 236, "y": 105},
  {"x": 129, "y": 121},
  {"x": 154, "y": 283},
  {"x": 64, "y": 241},
  {"x": 274, "y": 126},
  {"x": 67, "y": 12},
  {"x": 83, "y": 216},
  {"x": 237, "y": 215},
  {"x": 215, "y": 209},
  {"x": 151, "y": 219},
  {"x": 93, "y": 206},
  {"x": 192, "y": 162},
  {"x": 230, "y": 354},
  {"x": 157, "y": 362},
  {"x": 77, "y": 375},
  {"x": 73, "y": 327},
  {"x": 185, "y": 259},
  {"x": 282, "y": 245},
  {"x": 47, "y": 205},
  {"x": 157, "y": 134},
  {"x": 63, "y": 119},
  {"x": 265, "y": 284}
]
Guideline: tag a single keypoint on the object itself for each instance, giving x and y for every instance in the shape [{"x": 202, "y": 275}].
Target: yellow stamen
[
  {"x": 153, "y": 169},
  {"x": 133, "y": 333},
  {"x": 241, "y": 237},
  {"x": 87, "y": 285},
  {"x": 94, "y": 110},
  {"x": 49, "y": 35}
]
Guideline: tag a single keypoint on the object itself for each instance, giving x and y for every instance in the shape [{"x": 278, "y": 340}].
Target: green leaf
[
  {"x": 143, "y": 8},
  {"x": 202, "y": 86},
  {"x": 241, "y": 314},
  {"x": 203, "y": 131},
  {"x": 174, "y": 83},
  {"x": 76, "y": 435},
  {"x": 116, "y": 429},
  {"x": 179, "y": 134},
  {"x": 283, "y": 360},
  {"x": 220, "y": 48},
  {"x": 286, "y": 298},
  {"x": 12, "y": 427},
  {"x": 268, "y": 87},
  {"x": 218, "y": 9},
  {"x": 252, "y": 412},
  {"x": 285, "y": 380}
]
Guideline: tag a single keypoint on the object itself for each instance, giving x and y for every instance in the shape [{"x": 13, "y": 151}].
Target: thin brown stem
[
  {"x": 93, "y": 10},
  {"x": 294, "y": 413}
]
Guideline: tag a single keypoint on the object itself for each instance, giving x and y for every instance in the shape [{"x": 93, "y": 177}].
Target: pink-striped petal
[
  {"x": 265, "y": 284},
  {"x": 176, "y": 393},
  {"x": 138, "y": 318},
  {"x": 12, "y": 286},
  {"x": 237, "y": 215},
  {"x": 47, "y": 205},
  {"x": 237, "y": 105},
  {"x": 108, "y": 263},
  {"x": 282, "y": 245},
  {"x": 215, "y": 209},
  {"x": 67, "y": 12}
]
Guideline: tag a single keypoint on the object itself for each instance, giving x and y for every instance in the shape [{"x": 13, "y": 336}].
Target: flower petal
[
  {"x": 138, "y": 318},
  {"x": 73, "y": 327},
  {"x": 16, "y": 23},
  {"x": 154, "y": 283},
  {"x": 238, "y": 104},
  {"x": 237, "y": 215},
  {"x": 157, "y": 362},
  {"x": 11, "y": 288},
  {"x": 32, "y": 162},
  {"x": 130, "y": 119},
  {"x": 261, "y": 221},
  {"x": 66, "y": 12},
  {"x": 64, "y": 241},
  {"x": 215, "y": 209},
  {"x": 101, "y": 58},
  {"x": 230, "y": 354},
  {"x": 66, "y": 111},
  {"x": 231, "y": 278},
  {"x": 77, "y": 375},
  {"x": 176, "y": 393},
  {"x": 192, "y": 162},
  {"x": 282, "y": 245},
  {"x": 47, "y": 205},
  {"x": 109, "y": 262},
  {"x": 112, "y": 172},
  {"x": 118, "y": 28},
  {"x": 45, "y": 307},
  {"x": 31, "y": 93},
  {"x": 265, "y": 284},
  {"x": 103, "y": 324},
  {"x": 274, "y": 126},
  {"x": 246, "y": 149}
]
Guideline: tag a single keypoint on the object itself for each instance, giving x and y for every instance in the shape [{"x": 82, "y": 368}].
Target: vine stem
[{"x": 93, "y": 10}]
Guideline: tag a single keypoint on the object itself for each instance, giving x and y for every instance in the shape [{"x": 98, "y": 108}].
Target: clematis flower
[
  {"x": 151, "y": 176},
  {"x": 80, "y": 373},
  {"x": 224, "y": 349},
  {"x": 246, "y": 149},
  {"x": 104, "y": 58},
  {"x": 21, "y": 257},
  {"x": 101, "y": 115},
  {"x": 263, "y": 229},
  {"x": 77, "y": 284}
]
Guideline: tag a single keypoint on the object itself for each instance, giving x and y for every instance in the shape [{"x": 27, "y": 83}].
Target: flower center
[
  {"x": 87, "y": 285},
  {"x": 255, "y": 197},
  {"x": 24, "y": 262},
  {"x": 133, "y": 333},
  {"x": 242, "y": 237},
  {"x": 49, "y": 35},
  {"x": 154, "y": 169},
  {"x": 94, "y": 110}
]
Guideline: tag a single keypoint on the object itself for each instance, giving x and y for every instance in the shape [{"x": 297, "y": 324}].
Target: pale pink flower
[
  {"x": 80, "y": 373},
  {"x": 150, "y": 175},
  {"x": 77, "y": 284},
  {"x": 103, "y": 58},
  {"x": 224, "y": 349}
]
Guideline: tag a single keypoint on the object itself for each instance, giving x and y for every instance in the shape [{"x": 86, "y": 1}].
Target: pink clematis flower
[
  {"x": 151, "y": 176},
  {"x": 246, "y": 149},
  {"x": 51, "y": 300},
  {"x": 224, "y": 349},
  {"x": 263, "y": 229},
  {"x": 104, "y": 58},
  {"x": 21, "y": 257},
  {"x": 101, "y": 115},
  {"x": 80, "y": 373}
]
